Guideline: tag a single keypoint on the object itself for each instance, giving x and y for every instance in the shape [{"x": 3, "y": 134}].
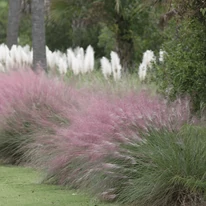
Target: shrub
[{"x": 183, "y": 71}]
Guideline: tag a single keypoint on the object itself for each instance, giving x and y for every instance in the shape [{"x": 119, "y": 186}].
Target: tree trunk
[
  {"x": 125, "y": 50},
  {"x": 124, "y": 43},
  {"x": 38, "y": 35},
  {"x": 13, "y": 22}
]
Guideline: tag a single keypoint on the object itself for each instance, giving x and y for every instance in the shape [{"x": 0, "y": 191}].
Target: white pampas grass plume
[
  {"x": 142, "y": 71},
  {"x": 4, "y": 53},
  {"x": 9, "y": 63},
  {"x": 26, "y": 48},
  {"x": 51, "y": 61},
  {"x": 75, "y": 66},
  {"x": 74, "y": 58},
  {"x": 80, "y": 58},
  {"x": 116, "y": 66},
  {"x": 70, "y": 56},
  {"x": 14, "y": 55},
  {"x": 148, "y": 58},
  {"x": 89, "y": 59},
  {"x": 22, "y": 57},
  {"x": 62, "y": 66},
  {"x": 106, "y": 67}
]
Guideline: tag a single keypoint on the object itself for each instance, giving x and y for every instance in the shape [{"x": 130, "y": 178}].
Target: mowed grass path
[{"x": 20, "y": 186}]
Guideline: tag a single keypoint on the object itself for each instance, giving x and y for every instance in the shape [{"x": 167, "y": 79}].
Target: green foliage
[
  {"x": 25, "y": 31},
  {"x": 14, "y": 137},
  {"x": 166, "y": 168},
  {"x": 106, "y": 40},
  {"x": 128, "y": 27},
  {"x": 58, "y": 39},
  {"x": 203, "y": 11},
  {"x": 3, "y": 20},
  {"x": 135, "y": 29},
  {"x": 146, "y": 34},
  {"x": 184, "y": 69}
]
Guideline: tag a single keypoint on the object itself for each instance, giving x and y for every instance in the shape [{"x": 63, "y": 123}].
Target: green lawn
[{"x": 20, "y": 187}]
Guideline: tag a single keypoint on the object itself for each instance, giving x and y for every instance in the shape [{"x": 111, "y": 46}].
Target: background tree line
[{"x": 128, "y": 27}]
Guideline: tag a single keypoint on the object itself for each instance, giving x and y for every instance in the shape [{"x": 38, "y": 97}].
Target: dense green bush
[{"x": 184, "y": 69}]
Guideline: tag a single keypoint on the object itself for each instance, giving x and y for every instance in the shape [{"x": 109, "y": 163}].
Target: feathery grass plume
[
  {"x": 79, "y": 61},
  {"x": 148, "y": 58},
  {"x": 9, "y": 63},
  {"x": 89, "y": 59},
  {"x": 32, "y": 106},
  {"x": 69, "y": 57},
  {"x": 73, "y": 61},
  {"x": 80, "y": 57},
  {"x": 106, "y": 67},
  {"x": 50, "y": 59},
  {"x": 4, "y": 51},
  {"x": 75, "y": 65},
  {"x": 62, "y": 65},
  {"x": 116, "y": 66},
  {"x": 17, "y": 56},
  {"x": 21, "y": 57}
]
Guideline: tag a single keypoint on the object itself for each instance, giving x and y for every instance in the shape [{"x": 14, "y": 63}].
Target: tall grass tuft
[
  {"x": 31, "y": 106},
  {"x": 165, "y": 168}
]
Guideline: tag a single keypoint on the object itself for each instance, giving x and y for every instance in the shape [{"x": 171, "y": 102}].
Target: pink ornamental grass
[
  {"x": 104, "y": 123},
  {"x": 32, "y": 106},
  {"x": 127, "y": 117},
  {"x": 37, "y": 92}
]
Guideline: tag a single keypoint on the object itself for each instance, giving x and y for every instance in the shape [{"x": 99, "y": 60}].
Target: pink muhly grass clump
[
  {"x": 32, "y": 106},
  {"x": 107, "y": 118},
  {"x": 105, "y": 123},
  {"x": 80, "y": 144},
  {"x": 137, "y": 112},
  {"x": 127, "y": 118}
]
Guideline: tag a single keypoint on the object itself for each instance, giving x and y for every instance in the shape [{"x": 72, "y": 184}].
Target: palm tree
[
  {"x": 13, "y": 22},
  {"x": 38, "y": 35}
]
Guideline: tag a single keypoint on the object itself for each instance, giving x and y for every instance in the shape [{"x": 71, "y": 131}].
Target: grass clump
[
  {"x": 166, "y": 169},
  {"x": 32, "y": 106}
]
